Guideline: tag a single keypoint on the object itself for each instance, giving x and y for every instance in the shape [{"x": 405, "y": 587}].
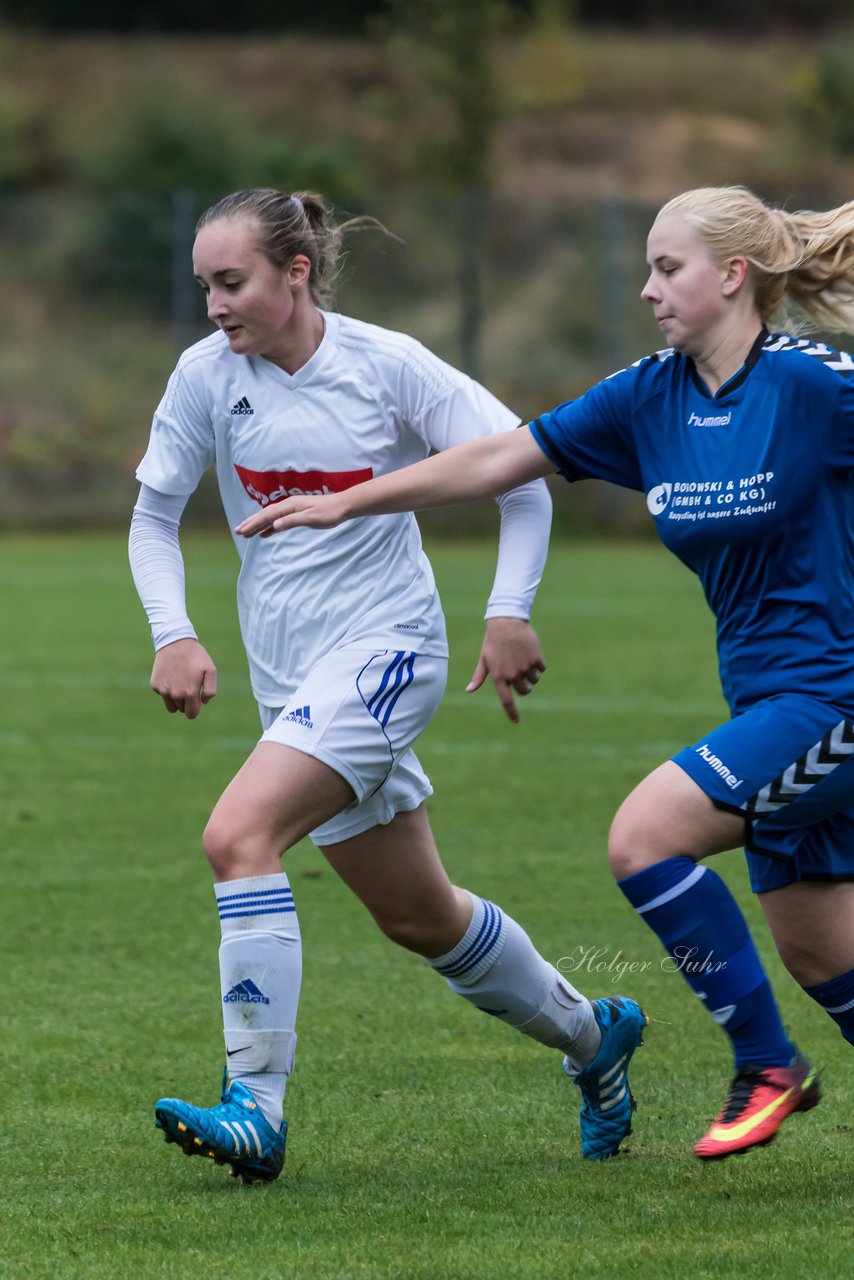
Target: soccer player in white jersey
[
  {"x": 743, "y": 442},
  {"x": 347, "y": 654}
]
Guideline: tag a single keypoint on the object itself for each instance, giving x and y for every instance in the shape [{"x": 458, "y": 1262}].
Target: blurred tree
[
  {"x": 452, "y": 46},
  {"x": 542, "y": 69},
  {"x": 825, "y": 95},
  {"x": 156, "y": 167}
]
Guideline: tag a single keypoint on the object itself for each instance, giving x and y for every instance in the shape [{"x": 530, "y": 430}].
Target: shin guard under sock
[
  {"x": 836, "y": 997},
  {"x": 699, "y": 922},
  {"x": 497, "y": 968},
  {"x": 260, "y": 959}
]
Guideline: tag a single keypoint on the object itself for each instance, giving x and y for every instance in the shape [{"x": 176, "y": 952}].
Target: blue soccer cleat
[
  {"x": 606, "y": 1112},
  {"x": 234, "y": 1133}
]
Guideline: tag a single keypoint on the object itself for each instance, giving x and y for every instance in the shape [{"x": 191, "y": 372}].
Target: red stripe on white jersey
[{"x": 272, "y": 486}]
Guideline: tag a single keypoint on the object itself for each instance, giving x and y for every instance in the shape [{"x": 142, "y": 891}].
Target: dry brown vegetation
[
  {"x": 579, "y": 112},
  {"x": 593, "y": 132}
]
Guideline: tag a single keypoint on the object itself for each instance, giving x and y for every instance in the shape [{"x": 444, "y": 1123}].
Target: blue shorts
[{"x": 787, "y": 767}]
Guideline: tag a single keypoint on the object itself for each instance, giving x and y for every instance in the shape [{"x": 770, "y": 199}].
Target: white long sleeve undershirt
[
  {"x": 158, "y": 565},
  {"x": 523, "y": 544}
]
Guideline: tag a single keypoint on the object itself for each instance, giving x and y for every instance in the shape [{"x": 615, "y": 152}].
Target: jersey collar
[
  {"x": 738, "y": 378},
  {"x": 311, "y": 368}
]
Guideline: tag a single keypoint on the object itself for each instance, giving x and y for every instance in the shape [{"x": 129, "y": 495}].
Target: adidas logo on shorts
[{"x": 302, "y": 716}]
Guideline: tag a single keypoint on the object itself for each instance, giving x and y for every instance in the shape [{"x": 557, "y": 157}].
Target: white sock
[
  {"x": 498, "y": 969},
  {"x": 260, "y": 964}
]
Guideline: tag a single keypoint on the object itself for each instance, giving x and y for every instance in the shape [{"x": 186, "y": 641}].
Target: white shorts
[{"x": 359, "y": 711}]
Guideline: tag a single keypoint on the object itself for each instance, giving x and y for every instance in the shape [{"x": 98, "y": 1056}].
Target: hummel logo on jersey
[
  {"x": 243, "y": 408},
  {"x": 302, "y": 716},
  {"x": 245, "y": 992},
  {"x": 718, "y": 420}
]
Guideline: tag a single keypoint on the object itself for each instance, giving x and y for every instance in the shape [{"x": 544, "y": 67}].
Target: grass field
[{"x": 426, "y": 1142}]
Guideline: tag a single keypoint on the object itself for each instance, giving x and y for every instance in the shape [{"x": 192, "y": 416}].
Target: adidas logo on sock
[
  {"x": 245, "y": 992},
  {"x": 242, "y": 408},
  {"x": 302, "y": 716}
]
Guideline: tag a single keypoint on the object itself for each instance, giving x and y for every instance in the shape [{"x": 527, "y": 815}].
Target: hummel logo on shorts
[{"x": 243, "y": 407}]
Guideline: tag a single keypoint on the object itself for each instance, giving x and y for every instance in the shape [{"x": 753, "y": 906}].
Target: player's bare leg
[
  {"x": 658, "y": 836},
  {"x": 489, "y": 960}
]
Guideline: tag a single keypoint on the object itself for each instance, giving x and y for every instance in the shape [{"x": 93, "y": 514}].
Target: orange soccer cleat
[{"x": 759, "y": 1101}]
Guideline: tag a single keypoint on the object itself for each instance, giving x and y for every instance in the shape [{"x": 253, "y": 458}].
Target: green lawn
[{"x": 426, "y": 1142}]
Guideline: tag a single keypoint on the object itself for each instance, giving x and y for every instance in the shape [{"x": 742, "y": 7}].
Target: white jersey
[{"x": 368, "y": 402}]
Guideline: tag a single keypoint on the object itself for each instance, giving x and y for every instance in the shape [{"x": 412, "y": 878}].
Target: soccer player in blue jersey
[{"x": 742, "y": 439}]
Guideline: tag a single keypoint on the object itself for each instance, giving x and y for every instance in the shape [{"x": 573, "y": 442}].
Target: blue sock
[
  {"x": 836, "y": 997},
  {"x": 700, "y": 924}
]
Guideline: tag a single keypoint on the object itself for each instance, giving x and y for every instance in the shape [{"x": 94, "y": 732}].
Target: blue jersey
[{"x": 752, "y": 489}]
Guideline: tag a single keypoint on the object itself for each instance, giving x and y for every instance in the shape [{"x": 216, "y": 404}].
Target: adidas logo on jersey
[
  {"x": 302, "y": 716},
  {"x": 243, "y": 408},
  {"x": 245, "y": 992}
]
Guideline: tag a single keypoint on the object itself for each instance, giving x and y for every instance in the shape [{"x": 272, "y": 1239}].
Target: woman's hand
[
  {"x": 511, "y": 655},
  {"x": 184, "y": 676},
  {"x": 316, "y": 511}
]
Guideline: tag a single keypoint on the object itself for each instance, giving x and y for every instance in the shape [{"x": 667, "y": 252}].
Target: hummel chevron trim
[
  {"x": 841, "y": 361},
  {"x": 834, "y": 749}
]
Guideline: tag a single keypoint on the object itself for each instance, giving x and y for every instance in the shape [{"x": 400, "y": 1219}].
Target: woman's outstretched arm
[{"x": 481, "y": 468}]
